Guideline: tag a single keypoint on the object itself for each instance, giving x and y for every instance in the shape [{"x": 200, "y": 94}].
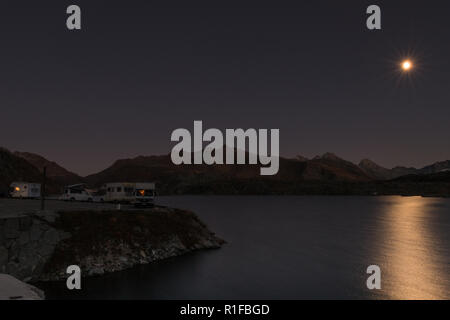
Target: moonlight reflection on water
[{"x": 411, "y": 252}]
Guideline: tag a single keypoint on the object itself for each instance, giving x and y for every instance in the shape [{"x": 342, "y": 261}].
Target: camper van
[
  {"x": 25, "y": 190},
  {"x": 137, "y": 193},
  {"x": 76, "y": 192}
]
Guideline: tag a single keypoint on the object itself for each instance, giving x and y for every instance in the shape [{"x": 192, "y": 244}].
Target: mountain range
[
  {"x": 55, "y": 172},
  {"x": 325, "y": 174}
]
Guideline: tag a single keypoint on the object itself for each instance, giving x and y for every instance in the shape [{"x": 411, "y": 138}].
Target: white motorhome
[
  {"x": 76, "y": 192},
  {"x": 137, "y": 193},
  {"x": 25, "y": 190}
]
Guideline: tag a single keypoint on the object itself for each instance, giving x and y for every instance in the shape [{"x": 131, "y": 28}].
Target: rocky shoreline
[{"x": 40, "y": 247}]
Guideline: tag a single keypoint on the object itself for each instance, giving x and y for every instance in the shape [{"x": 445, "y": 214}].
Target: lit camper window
[{"x": 144, "y": 193}]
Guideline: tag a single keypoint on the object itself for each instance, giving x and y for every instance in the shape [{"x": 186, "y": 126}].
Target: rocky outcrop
[
  {"x": 41, "y": 247},
  {"x": 26, "y": 243}
]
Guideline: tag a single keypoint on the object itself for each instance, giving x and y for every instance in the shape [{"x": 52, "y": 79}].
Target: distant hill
[
  {"x": 375, "y": 171},
  {"x": 379, "y": 173},
  {"x": 230, "y": 178},
  {"x": 325, "y": 174},
  {"x": 443, "y": 176},
  {"x": 431, "y": 184},
  {"x": 436, "y": 167},
  {"x": 14, "y": 168},
  {"x": 402, "y": 171},
  {"x": 331, "y": 167},
  {"x": 301, "y": 158},
  {"x": 55, "y": 172}
]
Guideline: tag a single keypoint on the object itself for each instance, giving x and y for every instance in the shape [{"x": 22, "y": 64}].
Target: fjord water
[{"x": 297, "y": 248}]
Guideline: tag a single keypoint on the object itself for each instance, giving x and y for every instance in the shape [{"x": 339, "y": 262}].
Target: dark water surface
[{"x": 297, "y": 248}]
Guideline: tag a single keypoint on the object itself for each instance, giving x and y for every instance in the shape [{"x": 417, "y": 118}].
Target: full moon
[{"x": 406, "y": 65}]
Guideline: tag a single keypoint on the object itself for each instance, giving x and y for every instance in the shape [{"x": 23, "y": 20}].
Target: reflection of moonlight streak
[{"x": 412, "y": 270}]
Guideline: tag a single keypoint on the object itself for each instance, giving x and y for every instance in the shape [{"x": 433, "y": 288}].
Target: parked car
[
  {"x": 76, "y": 192},
  {"x": 99, "y": 196}
]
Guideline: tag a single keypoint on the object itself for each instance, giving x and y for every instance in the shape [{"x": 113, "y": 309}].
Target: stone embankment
[{"x": 40, "y": 247}]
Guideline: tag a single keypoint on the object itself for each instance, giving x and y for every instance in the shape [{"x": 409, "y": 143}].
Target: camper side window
[{"x": 119, "y": 189}]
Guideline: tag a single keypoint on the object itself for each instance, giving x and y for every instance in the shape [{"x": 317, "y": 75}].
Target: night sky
[{"x": 140, "y": 69}]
